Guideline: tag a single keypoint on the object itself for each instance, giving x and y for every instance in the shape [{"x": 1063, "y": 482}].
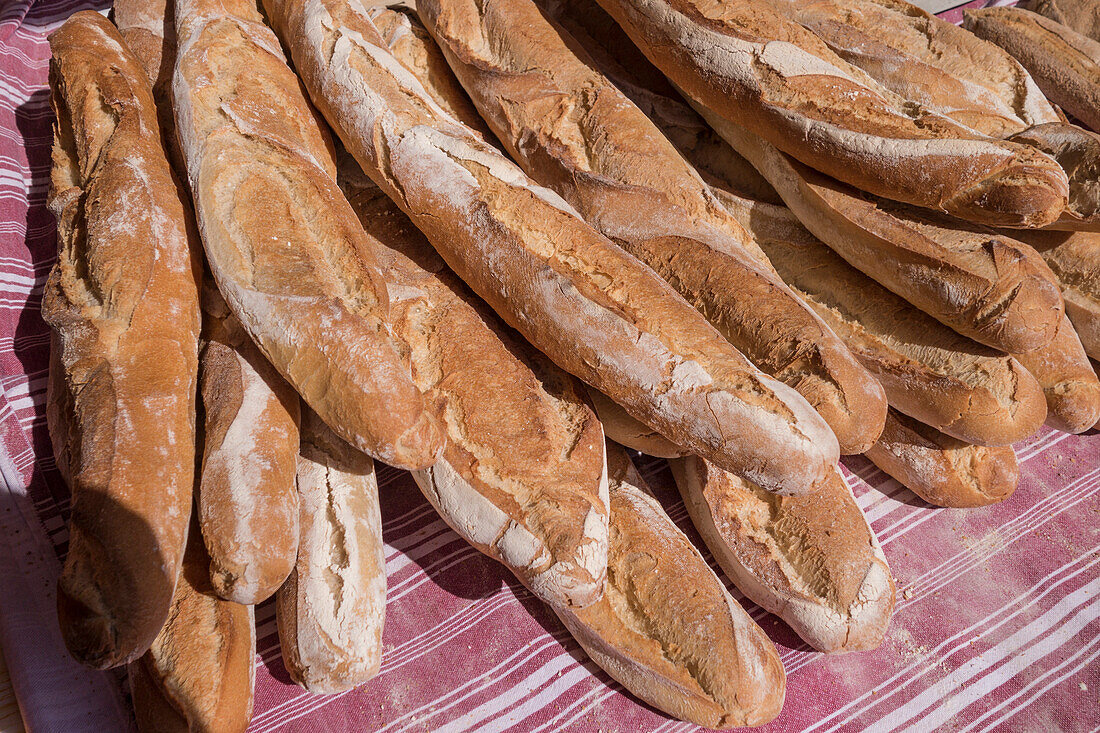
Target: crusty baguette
[
  {"x": 331, "y": 609},
  {"x": 620, "y": 427},
  {"x": 943, "y": 470},
  {"x": 1064, "y": 63},
  {"x": 1062, "y": 369},
  {"x": 929, "y": 61},
  {"x": 929, "y": 371},
  {"x": 595, "y": 310},
  {"x": 1077, "y": 150},
  {"x": 123, "y": 302},
  {"x": 812, "y": 561},
  {"x": 953, "y": 72},
  {"x": 248, "y": 505},
  {"x": 198, "y": 675},
  {"x": 1075, "y": 259},
  {"x": 523, "y": 476},
  {"x": 991, "y": 288},
  {"x": 574, "y": 131},
  {"x": 1082, "y": 16},
  {"x": 410, "y": 43},
  {"x": 262, "y": 179},
  {"x": 666, "y": 628},
  {"x": 751, "y": 65}
]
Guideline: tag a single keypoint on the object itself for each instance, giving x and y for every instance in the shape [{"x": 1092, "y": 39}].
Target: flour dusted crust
[
  {"x": 199, "y": 672},
  {"x": 751, "y": 65},
  {"x": 594, "y": 309},
  {"x": 812, "y": 561},
  {"x": 1078, "y": 152},
  {"x": 1082, "y": 16},
  {"x": 620, "y": 427},
  {"x": 283, "y": 244},
  {"x": 1075, "y": 259},
  {"x": 331, "y": 609},
  {"x": 1064, "y": 63},
  {"x": 123, "y": 302},
  {"x": 523, "y": 476},
  {"x": 943, "y": 470},
  {"x": 930, "y": 372},
  {"x": 574, "y": 131},
  {"x": 988, "y": 287},
  {"x": 666, "y": 628}
]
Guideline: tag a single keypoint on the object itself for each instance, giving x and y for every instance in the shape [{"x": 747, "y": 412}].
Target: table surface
[{"x": 997, "y": 624}]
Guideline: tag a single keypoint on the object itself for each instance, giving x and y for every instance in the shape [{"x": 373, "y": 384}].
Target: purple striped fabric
[{"x": 997, "y": 624}]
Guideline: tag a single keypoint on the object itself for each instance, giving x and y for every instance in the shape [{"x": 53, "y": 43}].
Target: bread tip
[
  {"x": 92, "y": 638},
  {"x": 1028, "y": 194}
]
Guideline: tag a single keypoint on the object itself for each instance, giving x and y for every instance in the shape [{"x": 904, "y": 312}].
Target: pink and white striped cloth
[{"x": 998, "y": 615}]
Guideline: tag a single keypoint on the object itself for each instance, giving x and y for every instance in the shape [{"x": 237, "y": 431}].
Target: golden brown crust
[
  {"x": 928, "y": 371},
  {"x": 988, "y": 287},
  {"x": 813, "y": 561},
  {"x": 522, "y": 477},
  {"x": 752, "y": 66},
  {"x": 594, "y": 309},
  {"x": 1078, "y": 152},
  {"x": 199, "y": 673},
  {"x": 1075, "y": 259},
  {"x": 1072, "y": 391},
  {"x": 331, "y": 610},
  {"x": 666, "y": 628},
  {"x": 620, "y": 427},
  {"x": 574, "y": 131},
  {"x": 123, "y": 302},
  {"x": 1065, "y": 64},
  {"x": 262, "y": 177},
  {"x": 943, "y": 470}
]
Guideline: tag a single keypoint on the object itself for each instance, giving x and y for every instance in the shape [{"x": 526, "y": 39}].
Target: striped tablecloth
[{"x": 997, "y": 624}]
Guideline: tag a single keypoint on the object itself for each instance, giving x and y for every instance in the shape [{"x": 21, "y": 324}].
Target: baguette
[
  {"x": 1072, "y": 391},
  {"x": 1065, "y": 64},
  {"x": 523, "y": 477},
  {"x": 595, "y": 310},
  {"x": 123, "y": 303},
  {"x": 943, "y": 470},
  {"x": 331, "y": 609},
  {"x": 1082, "y": 16},
  {"x": 760, "y": 70},
  {"x": 199, "y": 673},
  {"x": 262, "y": 177},
  {"x": 813, "y": 562},
  {"x": 620, "y": 427},
  {"x": 666, "y": 628},
  {"x": 953, "y": 72},
  {"x": 573, "y": 131},
  {"x": 248, "y": 505},
  {"x": 991, "y": 288},
  {"x": 1075, "y": 259},
  {"x": 930, "y": 61},
  {"x": 929, "y": 372}
]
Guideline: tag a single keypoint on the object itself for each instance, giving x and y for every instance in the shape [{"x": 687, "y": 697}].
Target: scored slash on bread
[
  {"x": 812, "y": 561},
  {"x": 331, "y": 609},
  {"x": 575, "y": 132},
  {"x": 523, "y": 477},
  {"x": 123, "y": 302},
  {"x": 666, "y": 628},
  {"x": 942, "y": 470},
  {"x": 595, "y": 310},
  {"x": 283, "y": 245},
  {"x": 751, "y": 65}
]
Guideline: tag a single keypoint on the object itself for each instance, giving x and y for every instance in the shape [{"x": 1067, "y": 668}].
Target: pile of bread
[{"x": 746, "y": 235}]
